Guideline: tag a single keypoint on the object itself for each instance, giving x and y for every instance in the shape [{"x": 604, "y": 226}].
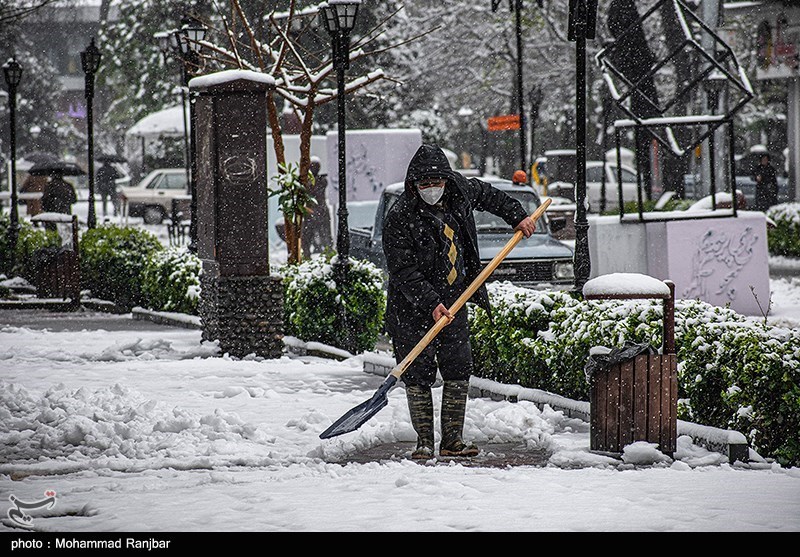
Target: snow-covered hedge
[
  {"x": 733, "y": 372},
  {"x": 784, "y": 239},
  {"x": 113, "y": 259},
  {"x": 313, "y": 304},
  {"x": 171, "y": 281}
]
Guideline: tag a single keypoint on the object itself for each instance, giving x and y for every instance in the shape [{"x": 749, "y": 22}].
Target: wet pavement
[
  {"x": 495, "y": 455},
  {"x": 79, "y": 320}
]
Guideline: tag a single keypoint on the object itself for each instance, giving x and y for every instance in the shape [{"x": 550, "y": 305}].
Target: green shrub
[
  {"x": 745, "y": 376},
  {"x": 784, "y": 238},
  {"x": 504, "y": 349},
  {"x": 171, "y": 281},
  {"x": 313, "y": 304},
  {"x": 733, "y": 371},
  {"x": 113, "y": 259},
  {"x": 30, "y": 239}
]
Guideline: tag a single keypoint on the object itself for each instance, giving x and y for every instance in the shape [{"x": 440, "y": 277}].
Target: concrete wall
[{"x": 720, "y": 260}]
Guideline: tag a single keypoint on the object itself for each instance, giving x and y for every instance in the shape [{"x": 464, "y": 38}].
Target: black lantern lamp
[
  {"x": 339, "y": 19},
  {"x": 195, "y": 32},
  {"x": 187, "y": 44},
  {"x": 13, "y": 74},
  {"x": 163, "y": 39},
  {"x": 90, "y": 62}
]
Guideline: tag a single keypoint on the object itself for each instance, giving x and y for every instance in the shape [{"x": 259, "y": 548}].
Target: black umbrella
[
  {"x": 110, "y": 158},
  {"x": 62, "y": 168},
  {"x": 37, "y": 157}
]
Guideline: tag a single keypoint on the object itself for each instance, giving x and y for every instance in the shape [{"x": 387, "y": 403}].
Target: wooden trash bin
[
  {"x": 59, "y": 274},
  {"x": 637, "y": 399}
]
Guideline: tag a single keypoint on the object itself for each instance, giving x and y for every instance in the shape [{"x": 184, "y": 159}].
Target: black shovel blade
[{"x": 361, "y": 414}]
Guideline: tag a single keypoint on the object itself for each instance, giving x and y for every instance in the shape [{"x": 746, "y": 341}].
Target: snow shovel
[{"x": 359, "y": 415}]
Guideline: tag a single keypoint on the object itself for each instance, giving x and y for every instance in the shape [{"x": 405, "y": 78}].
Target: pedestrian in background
[
  {"x": 59, "y": 195},
  {"x": 766, "y": 184},
  {"x": 33, "y": 184},
  {"x": 317, "y": 224},
  {"x": 106, "y": 184}
]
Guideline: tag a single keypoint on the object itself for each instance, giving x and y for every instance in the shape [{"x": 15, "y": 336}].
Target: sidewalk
[{"x": 379, "y": 362}]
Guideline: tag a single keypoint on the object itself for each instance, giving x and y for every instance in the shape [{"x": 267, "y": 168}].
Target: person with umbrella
[
  {"x": 34, "y": 183},
  {"x": 106, "y": 182},
  {"x": 59, "y": 195}
]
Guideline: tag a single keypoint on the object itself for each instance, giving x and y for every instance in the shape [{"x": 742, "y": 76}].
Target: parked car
[
  {"x": 538, "y": 261},
  {"x": 594, "y": 186},
  {"x": 152, "y": 197}
]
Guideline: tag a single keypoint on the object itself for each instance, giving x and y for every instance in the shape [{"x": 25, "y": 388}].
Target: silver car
[{"x": 152, "y": 198}]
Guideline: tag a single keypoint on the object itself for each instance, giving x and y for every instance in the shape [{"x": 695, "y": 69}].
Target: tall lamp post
[
  {"x": 187, "y": 46},
  {"x": 90, "y": 61},
  {"x": 167, "y": 41},
  {"x": 516, "y": 6},
  {"x": 13, "y": 74},
  {"x": 339, "y": 17}
]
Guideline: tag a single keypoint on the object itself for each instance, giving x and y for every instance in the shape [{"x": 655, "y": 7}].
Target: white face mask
[{"x": 432, "y": 194}]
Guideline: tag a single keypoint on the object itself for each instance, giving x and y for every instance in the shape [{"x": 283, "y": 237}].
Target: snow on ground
[{"x": 154, "y": 430}]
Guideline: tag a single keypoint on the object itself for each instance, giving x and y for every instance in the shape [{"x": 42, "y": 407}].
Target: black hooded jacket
[{"x": 407, "y": 240}]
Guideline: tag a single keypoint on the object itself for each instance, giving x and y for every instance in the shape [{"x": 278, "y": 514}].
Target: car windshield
[
  {"x": 361, "y": 214},
  {"x": 487, "y": 222}
]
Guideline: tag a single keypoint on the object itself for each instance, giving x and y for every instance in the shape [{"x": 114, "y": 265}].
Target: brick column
[{"x": 241, "y": 304}]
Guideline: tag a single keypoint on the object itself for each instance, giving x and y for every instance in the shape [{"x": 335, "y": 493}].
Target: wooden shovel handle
[{"x": 400, "y": 368}]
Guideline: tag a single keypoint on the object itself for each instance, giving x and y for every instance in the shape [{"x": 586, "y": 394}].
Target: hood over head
[{"x": 428, "y": 162}]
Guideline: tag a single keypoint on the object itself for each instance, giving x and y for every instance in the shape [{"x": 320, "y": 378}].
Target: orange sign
[{"x": 502, "y": 123}]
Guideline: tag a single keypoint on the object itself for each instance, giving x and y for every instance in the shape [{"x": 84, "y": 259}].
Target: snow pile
[
  {"x": 18, "y": 283},
  {"x": 117, "y": 428}
]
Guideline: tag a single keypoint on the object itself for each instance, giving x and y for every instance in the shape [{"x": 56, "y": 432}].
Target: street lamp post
[
  {"x": 582, "y": 17},
  {"x": 168, "y": 41},
  {"x": 90, "y": 61},
  {"x": 187, "y": 42},
  {"x": 339, "y": 17},
  {"x": 516, "y": 6},
  {"x": 13, "y": 74}
]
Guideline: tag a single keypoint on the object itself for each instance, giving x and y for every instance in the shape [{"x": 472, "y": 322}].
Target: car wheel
[{"x": 153, "y": 215}]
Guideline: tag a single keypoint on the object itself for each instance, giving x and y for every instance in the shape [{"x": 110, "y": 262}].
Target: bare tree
[{"x": 15, "y": 10}]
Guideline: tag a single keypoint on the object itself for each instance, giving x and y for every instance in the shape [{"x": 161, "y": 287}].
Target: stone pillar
[{"x": 241, "y": 304}]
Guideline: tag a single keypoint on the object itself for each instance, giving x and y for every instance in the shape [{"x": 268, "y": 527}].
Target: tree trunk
[{"x": 291, "y": 230}]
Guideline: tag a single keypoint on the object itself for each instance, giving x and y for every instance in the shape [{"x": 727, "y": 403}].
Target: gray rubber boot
[
  {"x": 454, "y": 406},
  {"x": 420, "y": 406}
]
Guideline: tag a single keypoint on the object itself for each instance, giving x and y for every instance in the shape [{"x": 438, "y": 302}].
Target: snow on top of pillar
[{"x": 226, "y": 76}]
